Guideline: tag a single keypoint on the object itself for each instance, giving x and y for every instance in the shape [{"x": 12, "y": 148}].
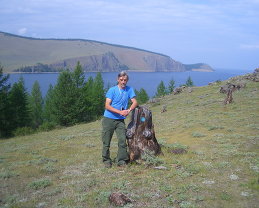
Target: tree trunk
[
  {"x": 141, "y": 135},
  {"x": 229, "y": 98}
]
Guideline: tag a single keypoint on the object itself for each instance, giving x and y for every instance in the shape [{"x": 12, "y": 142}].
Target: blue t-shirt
[{"x": 120, "y": 98}]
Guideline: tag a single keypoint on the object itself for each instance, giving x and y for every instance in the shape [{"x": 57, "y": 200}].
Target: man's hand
[{"x": 124, "y": 112}]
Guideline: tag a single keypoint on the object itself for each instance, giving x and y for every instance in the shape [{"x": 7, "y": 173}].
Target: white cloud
[
  {"x": 22, "y": 31},
  {"x": 173, "y": 27},
  {"x": 249, "y": 46}
]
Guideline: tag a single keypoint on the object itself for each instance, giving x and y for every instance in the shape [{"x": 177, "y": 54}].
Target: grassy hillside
[{"x": 62, "y": 168}]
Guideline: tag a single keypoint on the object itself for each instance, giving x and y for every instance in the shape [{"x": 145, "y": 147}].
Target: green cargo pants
[{"x": 109, "y": 126}]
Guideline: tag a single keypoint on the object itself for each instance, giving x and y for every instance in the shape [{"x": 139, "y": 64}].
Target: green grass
[
  {"x": 219, "y": 167},
  {"x": 39, "y": 184}
]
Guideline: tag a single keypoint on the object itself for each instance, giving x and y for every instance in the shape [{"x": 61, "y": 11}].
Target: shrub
[
  {"x": 22, "y": 131},
  {"x": 225, "y": 196},
  {"x": 215, "y": 127},
  {"x": 42, "y": 183},
  {"x": 49, "y": 168},
  {"x": 47, "y": 126},
  {"x": 7, "y": 174},
  {"x": 150, "y": 159},
  {"x": 177, "y": 146},
  {"x": 218, "y": 81},
  {"x": 11, "y": 199},
  {"x": 197, "y": 134}
]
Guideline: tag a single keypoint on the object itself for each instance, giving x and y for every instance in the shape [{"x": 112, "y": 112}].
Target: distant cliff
[{"x": 25, "y": 54}]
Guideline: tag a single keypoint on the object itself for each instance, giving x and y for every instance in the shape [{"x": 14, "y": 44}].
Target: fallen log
[{"x": 141, "y": 135}]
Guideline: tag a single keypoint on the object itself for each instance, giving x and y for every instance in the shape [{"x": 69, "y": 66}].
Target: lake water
[{"x": 147, "y": 80}]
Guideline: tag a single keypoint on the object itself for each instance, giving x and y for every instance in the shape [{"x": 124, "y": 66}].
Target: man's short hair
[{"x": 122, "y": 74}]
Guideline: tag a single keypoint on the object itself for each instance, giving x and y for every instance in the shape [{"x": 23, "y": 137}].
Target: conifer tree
[
  {"x": 88, "y": 94},
  {"x": 171, "y": 86},
  {"x": 141, "y": 96},
  {"x": 78, "y": 76},
  {"x": 73, "y": 100},
  {"x": 64, "y": 100},
  {"x": 49, "y": 109},
  {"x": 161, "y": 90},
  {"x": 19, "y": 106},
  {"x": 108, "y": 86},
  {"x": 36, "y": 103},
  {"x": 79, "y": 82},
  {"x": 98, "y": 95},
  {"x": 189, "y": 82},
  {"x": 136, "y": 92},
  {"x": 4, "y": 105}
]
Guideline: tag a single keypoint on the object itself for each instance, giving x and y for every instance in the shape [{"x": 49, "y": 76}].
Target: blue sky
[{"x": 222, "y": 33}]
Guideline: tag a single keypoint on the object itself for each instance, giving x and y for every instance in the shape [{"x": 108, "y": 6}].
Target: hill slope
[
  {"x": 17, "y": 52},
  {"x": 62, "y": 168}
]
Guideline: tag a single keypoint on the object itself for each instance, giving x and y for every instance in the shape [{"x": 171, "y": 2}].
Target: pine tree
[
  {"x": 36, "y": 104},
  {"x": 94, "y": 97},
  {"x": 19, "y": 106},
  {"x": 64, "y": 100},
  {"x": 68, "y": 98},
  {"x": 4, "y": 105},
  {"x": 108, "y": 86},
  {"x": 78, "y": 76},
  {"x": 136, "y": 92},
  {"x": 161, "y": 90},
  {"x": 171, "y": 86},
  {"x": 79, "y": 82},
  {"x": 98, "y": 96},
  {"x": 88, "y": 94},
  {"x": 189, "y": 82},
  {"x": 73, "y": 100},
  {"x": 49, "y": 109},
  {"x": 142, "y": 96}
]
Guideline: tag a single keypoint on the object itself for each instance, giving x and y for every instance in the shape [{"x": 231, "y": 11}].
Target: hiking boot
[{"x": 122, "y": 164}]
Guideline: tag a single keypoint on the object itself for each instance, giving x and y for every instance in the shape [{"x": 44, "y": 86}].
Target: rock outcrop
[
  {"x": 97, "y": 63},
  {"x": 253, "y": 76}
]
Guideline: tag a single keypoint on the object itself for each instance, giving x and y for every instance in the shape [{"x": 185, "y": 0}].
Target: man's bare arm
[
  {"x": 133, "y": 105},
  {"x": 114, "y": 110}
]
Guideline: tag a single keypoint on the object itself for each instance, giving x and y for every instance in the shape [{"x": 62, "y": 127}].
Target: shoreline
[{"x": 196, "y": 70}]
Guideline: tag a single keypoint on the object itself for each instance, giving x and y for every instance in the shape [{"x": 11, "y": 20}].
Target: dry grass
[
  {"x": 51, "y": 51},
  {"x": 62, "y": 168}
]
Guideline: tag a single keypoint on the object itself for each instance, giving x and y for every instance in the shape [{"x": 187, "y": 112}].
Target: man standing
[{"x": 116, "y": 110}]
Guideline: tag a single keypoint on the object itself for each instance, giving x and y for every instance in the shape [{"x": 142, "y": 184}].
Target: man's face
[{"x": 122, "y": 81}]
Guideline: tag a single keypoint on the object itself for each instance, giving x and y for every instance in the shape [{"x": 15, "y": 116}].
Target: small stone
[
  {"x": 41, "y": 205},
  {"x": 178, "y": 151},
  {"x": 246, "y": 194},
  {"x": 207, "y": 182},
  {"x": 207, "y": 163},
  {"x": 161, "y": 167},
  {"x": 255, "y": 168},
  {"x": 176, "y": 166},
  {"x": 233, "y": 177}
]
